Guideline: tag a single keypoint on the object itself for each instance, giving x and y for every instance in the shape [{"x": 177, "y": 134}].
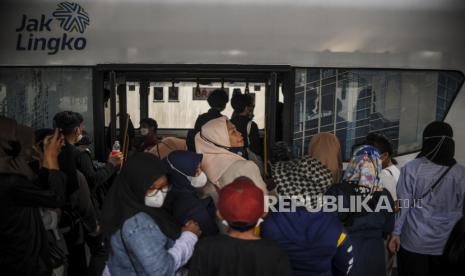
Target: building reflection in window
[{"x": 352, "y": 103}]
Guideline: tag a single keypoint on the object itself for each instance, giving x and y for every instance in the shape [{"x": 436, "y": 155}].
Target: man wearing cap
[{"x": 241, "y": 251}]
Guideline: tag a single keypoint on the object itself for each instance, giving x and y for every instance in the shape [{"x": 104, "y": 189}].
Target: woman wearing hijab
[
  {"x": 315, "y": 241},
  {"x": 435, "y": 180},
  {"x": 325, "y": 147},
  {"x": 305, "y": 177},
  {"x": 372, "y": 219},
  {"x": 222, "y": 147},
  {"x": 24, "y": 246},
  {"x": 185, "y": 178},
  {"x": 144, "y": 238}
]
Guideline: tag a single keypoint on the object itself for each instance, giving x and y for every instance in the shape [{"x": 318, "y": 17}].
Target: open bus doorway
[{"x": 175, "y": 96}]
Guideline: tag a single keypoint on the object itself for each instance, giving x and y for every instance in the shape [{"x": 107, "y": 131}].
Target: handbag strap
[
  {"x": 126, "y": 249},
  {"x": 463, "y": 207},
  {"x": 437, "y": 182},
  {"x": 389, "y": 171},
  {"x": 249, "y": 127}
]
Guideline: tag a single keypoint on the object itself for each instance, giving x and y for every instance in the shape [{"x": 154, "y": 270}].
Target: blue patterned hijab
[{"x": 365, "y": 167}]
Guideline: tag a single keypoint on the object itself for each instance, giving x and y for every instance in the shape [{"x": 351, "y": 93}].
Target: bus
[{"x": 345, "y": 67}]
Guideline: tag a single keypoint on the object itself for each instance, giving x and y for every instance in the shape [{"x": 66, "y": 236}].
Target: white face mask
[
  {"x": 225, "y": 223},
  {"x": 156, "y": 198},
  {"x": 144, "y": 131},
  {"x": 196, "y": 181}
]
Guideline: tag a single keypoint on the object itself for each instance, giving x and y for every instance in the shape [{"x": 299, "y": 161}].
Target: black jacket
[
  {"x": 24, "y": 248},
  {"x": 95, "y": 176},
  {"x": 241, "y": 123}
]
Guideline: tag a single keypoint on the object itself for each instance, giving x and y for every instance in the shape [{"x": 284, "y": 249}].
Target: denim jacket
[{"x": 147, "y": 246}]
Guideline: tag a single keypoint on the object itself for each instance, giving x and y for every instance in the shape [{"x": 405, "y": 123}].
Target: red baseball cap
[{"x": 241, "y": 201}]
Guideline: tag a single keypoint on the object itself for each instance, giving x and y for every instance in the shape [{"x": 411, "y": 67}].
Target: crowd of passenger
[{"x": 201, "y": 205}]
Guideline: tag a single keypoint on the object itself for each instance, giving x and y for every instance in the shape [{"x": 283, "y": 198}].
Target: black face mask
[{"x": 237, "y": 150}]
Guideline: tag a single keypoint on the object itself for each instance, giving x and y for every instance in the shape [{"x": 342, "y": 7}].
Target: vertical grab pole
[
  {"x": 112, "y": 107},
  {"x": 270, "y": 111},
  {"x": 125, "y": 139}
]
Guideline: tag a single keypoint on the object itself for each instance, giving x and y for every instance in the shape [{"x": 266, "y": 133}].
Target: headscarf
[
  {"x": 15, "y": 142},
  {"x": 364, "y": 168},
  {"x": 438, "y": 144},
  {"x": 183, "y": 200},
  {"x": 305, "y": 177},
  {"x": 216, "y": 160},
  {"x": 326, "y": 148},
  {"x": 361, "y": 179},
  {"x": 127, "y": 196},
  {"x": 178, "y": 163}
]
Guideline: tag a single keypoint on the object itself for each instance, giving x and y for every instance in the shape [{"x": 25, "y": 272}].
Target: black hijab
[
  {"x": 438, "y": 144},
  {"x": 127, "y": 196}
]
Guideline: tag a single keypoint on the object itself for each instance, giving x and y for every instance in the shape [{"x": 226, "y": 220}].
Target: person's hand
[
  {"x": 193, "y": 227},
  {"x": 115, "y": 158},
  {"x": 396, "y": 206},
  {"x": 394, "y": 244},
  {"x": 52, "y": 148}
]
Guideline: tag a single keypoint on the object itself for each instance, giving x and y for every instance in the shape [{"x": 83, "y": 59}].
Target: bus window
[
  {"x": 177, "y": 107},
  {"x": 352, "y": 103},
  {"x": 33, "y": 96}
]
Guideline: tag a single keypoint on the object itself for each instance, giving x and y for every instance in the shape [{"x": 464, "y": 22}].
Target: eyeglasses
[{"x": 164, "y": 190}]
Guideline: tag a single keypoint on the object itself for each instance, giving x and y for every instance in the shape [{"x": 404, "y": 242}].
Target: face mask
[
  {"x": 225, "y": 223},
  {"x": 144, "y": 131},
  {"x": 196, "y": 181},
  {"x": 156, "y": 198},
  {"x": 237, "y": 150},
  {"x": 79, "y": 138}
]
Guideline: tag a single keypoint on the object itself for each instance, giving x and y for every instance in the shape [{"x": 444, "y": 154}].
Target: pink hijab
[
  {"x": 325, "y": 147},
  {"x": 216, "y": 160}
]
